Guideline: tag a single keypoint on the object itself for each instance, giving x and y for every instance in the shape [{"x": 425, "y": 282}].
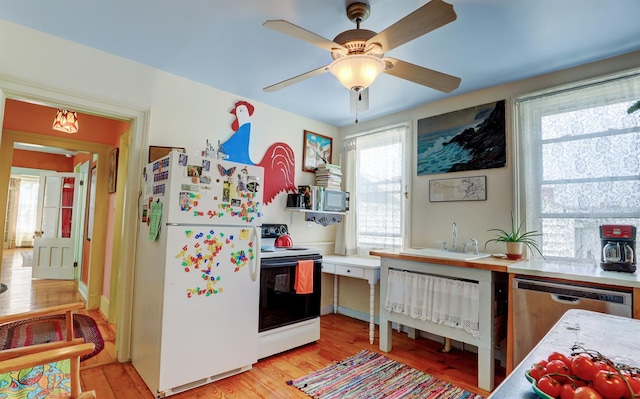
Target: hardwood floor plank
[
  {"x": 95, "y": 379},
  {"x": 141, "y": 390}
]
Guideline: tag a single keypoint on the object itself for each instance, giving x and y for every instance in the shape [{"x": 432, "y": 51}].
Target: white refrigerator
[{"x": 196, "y": 298}]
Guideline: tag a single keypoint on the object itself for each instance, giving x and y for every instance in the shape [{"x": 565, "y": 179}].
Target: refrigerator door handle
[{"x": 253, "y": 272}]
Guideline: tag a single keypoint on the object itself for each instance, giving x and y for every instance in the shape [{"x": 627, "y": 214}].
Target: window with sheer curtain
[
  {"x": 373, "y": 167},
  {"x": 27, "y": 204},
  {"x": 580, "y": 157}
]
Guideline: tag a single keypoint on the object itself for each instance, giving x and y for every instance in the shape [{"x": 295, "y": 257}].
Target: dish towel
[
  {"x": 451, "y": 302},
  {"x": 304, "y": 277}
]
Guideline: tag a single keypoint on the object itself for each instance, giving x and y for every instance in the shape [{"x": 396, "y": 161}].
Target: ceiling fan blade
[
  {"x": 426, "y": 77},
  {"x": 296, "y": 79},
  {"x": 297, "y": 32},
  {"x": 431, "y": 16},
  {"x": 359, "y": 100}
]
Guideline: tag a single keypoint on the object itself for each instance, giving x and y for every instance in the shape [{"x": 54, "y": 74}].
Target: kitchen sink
[{"x": 438, "y": 253}]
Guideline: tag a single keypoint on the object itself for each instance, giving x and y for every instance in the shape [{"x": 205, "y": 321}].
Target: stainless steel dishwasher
[{"x": 539, "y": 304}]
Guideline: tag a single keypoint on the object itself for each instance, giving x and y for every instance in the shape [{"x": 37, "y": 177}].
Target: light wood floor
[
  {"x": 340, "y": 337},
  {"x": 24, "y": 294}
]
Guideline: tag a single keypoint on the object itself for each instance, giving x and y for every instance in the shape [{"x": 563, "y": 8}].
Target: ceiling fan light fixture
[
  {"x": 65, "y": 121},
  {"x": 357, "y": 72}
]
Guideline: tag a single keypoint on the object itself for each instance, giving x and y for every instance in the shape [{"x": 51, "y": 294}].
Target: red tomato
[
  {"x": 559, "y": 356},
  {"x": 586, "y": 393},
  {"x": 609, "y": 385},
  {"x": 635, "y": 385},
  {"x": 566, "y": 391},
  {"x": 558, "y": 367},
  {"x": 549, "y": 386},
  {"x": 538, "y": 370},
  {"x": 583, "y": 367},
  {"x": 604, "y": 366}
]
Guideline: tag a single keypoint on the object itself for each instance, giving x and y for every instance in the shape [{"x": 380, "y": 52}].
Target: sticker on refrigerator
[
  {"x": 159, "y": 189},
  {"x": 194, "y": 170},
  {"x": 226, "y": 191},
  {"x": 226, "y": 172},
  {"x": 184, "y": 201},
  {"x": 189, "y": 187},
  {"x": 206, "y": 165},
  {"x": 199, "y": 259},
  {"x": 182, "y": 159}
]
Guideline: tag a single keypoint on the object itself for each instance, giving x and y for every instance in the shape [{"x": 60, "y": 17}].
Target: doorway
[{"x": 125, "y": 203}]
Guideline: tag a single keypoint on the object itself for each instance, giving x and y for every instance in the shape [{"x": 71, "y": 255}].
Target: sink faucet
[
  {"x": 474, "y": 243},
  {"x": 454, "y": 235}
]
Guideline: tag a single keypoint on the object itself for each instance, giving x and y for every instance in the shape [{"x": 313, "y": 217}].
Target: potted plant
[{"x": 515, "y": 240}]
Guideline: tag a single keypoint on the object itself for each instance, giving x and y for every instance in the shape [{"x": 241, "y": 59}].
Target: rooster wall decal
[{"x": 278, "y": 162}]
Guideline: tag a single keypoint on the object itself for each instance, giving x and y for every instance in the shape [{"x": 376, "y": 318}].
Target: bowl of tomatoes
[{"x": 583, "y": 374}]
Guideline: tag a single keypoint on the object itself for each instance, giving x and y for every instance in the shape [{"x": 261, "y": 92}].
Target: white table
[{"x": 366, "y": 268}]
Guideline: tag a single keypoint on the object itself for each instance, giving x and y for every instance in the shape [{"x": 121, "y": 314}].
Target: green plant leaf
[
  {"x": 517, "y": 235},
  {"x": 634, "y": 107}
]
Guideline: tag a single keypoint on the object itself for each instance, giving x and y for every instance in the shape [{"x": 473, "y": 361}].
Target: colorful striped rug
[{"x": 370, "y": 375}]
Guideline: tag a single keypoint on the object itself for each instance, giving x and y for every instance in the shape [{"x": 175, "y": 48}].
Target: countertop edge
[
  {"x": 578, "y": 272},
  {"x": 491, "y": 264}
]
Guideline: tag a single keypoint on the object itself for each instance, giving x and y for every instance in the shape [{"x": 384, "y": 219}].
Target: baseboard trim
[{"x": 104, "y": 305}]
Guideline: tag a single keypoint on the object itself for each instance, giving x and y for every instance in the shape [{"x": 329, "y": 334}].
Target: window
[
  {"x": 581, "y": 164},
  {"x": 378, "y": 164}
]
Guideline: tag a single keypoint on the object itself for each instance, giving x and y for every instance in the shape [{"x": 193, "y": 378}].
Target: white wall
[
  {"x": 182, "y": 113},
  {"x": 431, "y": 222}
]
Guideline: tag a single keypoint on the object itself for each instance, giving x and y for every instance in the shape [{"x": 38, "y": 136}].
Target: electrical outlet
[{"x": 310, "y": 224}]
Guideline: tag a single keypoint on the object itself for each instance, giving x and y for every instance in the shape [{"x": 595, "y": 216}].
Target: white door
[{"x": 54, "y": 238}]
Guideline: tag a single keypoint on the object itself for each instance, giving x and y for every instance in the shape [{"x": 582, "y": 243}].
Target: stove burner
[{"x": 296, "y": 249}]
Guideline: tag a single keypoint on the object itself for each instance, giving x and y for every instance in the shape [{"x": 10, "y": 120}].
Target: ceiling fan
[{"x": 358, "y": 54}]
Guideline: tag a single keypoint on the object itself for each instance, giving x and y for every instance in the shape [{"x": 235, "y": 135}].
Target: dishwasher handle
[{"x": 570, "y": 300}]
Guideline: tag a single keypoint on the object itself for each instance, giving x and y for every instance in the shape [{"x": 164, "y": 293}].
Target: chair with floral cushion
[{"x": 51, "y": 368}]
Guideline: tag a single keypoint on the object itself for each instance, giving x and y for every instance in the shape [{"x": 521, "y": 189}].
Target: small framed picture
[
  {"x": 316, "y": 150},
  {"x": 113, "y": 171},
  {"x": 473, "y": 188}
]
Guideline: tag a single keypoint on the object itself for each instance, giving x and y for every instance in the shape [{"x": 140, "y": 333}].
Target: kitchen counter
[
  {"x": 585, "y": 271},
  {"x": 592, "y": 330},
  {"x": 482, "y": 271},
  {"x": 489, "y": 263}
]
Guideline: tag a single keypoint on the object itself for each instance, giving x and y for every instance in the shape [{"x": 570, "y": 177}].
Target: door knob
[{"x": 38, "y": 233}]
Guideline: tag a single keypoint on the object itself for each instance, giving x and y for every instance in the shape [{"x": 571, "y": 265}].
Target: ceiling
[{"x": 223, "y": 44}]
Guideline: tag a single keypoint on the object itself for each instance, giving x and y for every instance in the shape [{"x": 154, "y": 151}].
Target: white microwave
[{"x": 336, "y": 201}]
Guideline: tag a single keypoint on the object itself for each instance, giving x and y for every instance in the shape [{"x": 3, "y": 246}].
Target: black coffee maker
[{"x": 618, "y": 247}]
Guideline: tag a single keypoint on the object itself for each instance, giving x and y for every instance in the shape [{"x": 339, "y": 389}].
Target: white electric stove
[{"x": 286, "y": 319}]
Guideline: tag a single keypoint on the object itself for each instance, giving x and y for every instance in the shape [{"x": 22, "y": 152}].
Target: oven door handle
[{"x": 255, "y": 270}]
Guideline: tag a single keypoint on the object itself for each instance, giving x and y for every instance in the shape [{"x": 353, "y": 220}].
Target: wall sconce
[{"x": 66, "y": 121}]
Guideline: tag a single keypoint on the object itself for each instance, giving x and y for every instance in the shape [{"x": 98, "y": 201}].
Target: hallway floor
[{"x": 24, "y": 294}]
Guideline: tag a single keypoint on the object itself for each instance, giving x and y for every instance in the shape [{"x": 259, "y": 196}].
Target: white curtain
[
  {"x": 451, "y": 302},
  {"x": 346, "y": 240},
  {"x": 373, "y": 168},
  {"x": 27, "y": 203},
  {"x": 581, "y": 164}
]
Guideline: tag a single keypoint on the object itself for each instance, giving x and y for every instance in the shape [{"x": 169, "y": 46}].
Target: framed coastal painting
[
  {"x": 316, "y": 150},
  {"x": 469, "y": 139}
]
